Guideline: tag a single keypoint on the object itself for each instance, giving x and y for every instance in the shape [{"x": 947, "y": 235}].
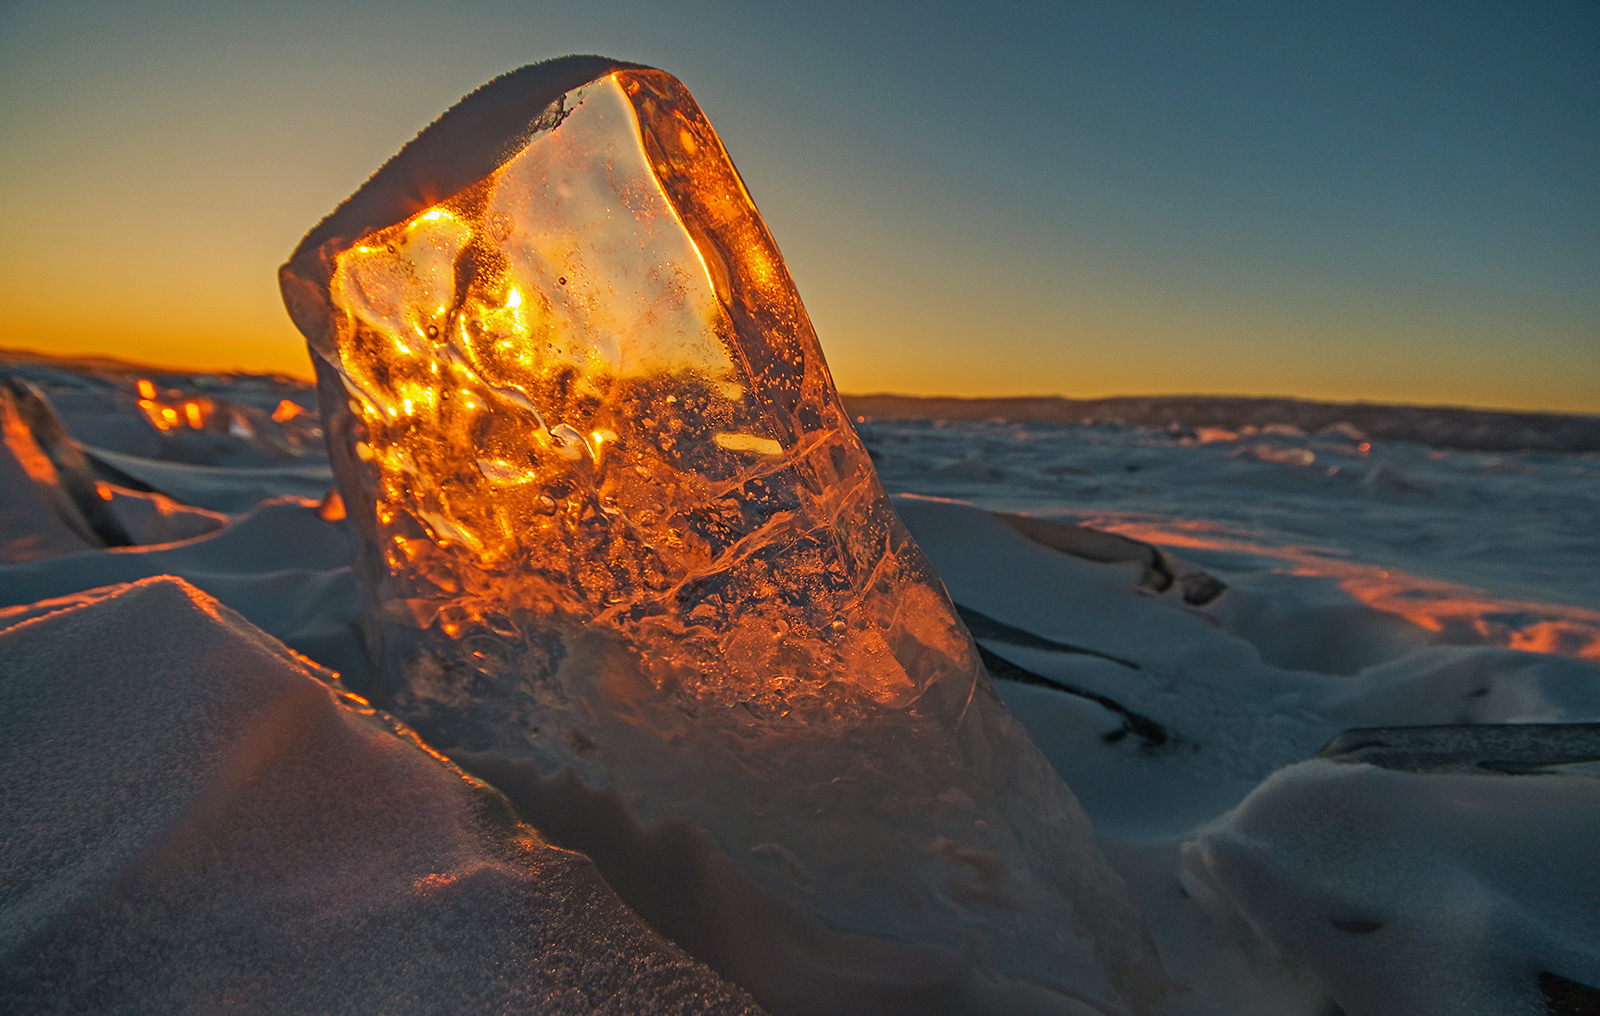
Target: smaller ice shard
[
  {"x": 626, "y": 558},
  {"x": 1161, "y": 570},
  {"x": 95, "y": 512},
  {"x": 1508, "y": 748},
  {"x": 50, "y": 502},
  {"x": 194, "y": 822}
]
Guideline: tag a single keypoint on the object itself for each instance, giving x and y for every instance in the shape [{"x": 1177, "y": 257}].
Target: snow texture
[
  {"x": 194, "y": 822},
  {"x": 1275, "y": 885},
  {"x": 1415, "y": 894}
]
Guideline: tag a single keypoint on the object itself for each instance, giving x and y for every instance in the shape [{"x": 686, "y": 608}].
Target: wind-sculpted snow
[{"x": 624, "y": 553}]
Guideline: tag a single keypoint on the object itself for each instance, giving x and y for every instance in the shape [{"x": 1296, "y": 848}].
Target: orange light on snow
[{"x": 1457, "y": 614}]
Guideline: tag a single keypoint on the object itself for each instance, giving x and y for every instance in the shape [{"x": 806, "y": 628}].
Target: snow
[
  {"x": 195, "y": 820},
  {"x": 1263, "y": 874},
  {"x": 1415, "y": 894},
  {"x": 148, "y": 723},
  {"x": 1522, "y": 525},
  {"x": 280, "y": 565},
  {"x": 219, "y": 488}
]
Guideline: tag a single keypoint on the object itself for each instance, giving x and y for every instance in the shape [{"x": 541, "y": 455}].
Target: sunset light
[{"x": 445, "y": 567}]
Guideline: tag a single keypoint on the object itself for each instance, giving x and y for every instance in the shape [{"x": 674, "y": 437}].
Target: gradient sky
[{"x": 1380, "y": 201}]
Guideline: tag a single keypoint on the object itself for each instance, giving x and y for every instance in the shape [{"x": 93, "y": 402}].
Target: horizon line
[{"x": 107, "y": 361}]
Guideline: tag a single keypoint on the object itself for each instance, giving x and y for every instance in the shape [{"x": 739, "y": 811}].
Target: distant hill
[
  {"x": 1436, "y": 426},
  {"x": 117, "y": 367}
]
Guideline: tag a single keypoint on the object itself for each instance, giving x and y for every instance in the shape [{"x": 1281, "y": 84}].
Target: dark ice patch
[{"x": 1480, "y": 749}]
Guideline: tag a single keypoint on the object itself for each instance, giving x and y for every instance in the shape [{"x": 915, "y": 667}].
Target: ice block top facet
[{"x": 588, "y": 397}]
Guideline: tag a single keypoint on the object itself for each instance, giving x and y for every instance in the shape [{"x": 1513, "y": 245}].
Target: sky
[{"x": 1394, "y": 202}]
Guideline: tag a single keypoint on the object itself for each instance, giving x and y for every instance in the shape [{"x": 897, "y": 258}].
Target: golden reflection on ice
[{"x": 592, "y": 401}]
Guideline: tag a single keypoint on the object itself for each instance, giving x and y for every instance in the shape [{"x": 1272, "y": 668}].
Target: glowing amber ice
[{"x": 626, "y": 557}]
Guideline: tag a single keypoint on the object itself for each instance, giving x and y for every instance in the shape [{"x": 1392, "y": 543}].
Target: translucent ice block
[{"x": 625, "y": 556}]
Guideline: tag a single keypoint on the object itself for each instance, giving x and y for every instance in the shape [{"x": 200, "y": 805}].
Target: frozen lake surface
[
  {"x": 1220, "y": 690},
  {"x": 1514, "y": 526}
]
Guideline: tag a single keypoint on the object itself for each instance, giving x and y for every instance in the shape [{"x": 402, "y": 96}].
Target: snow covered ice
[
  {"x": 1404, "y": 887},
  {"x": 1327, "y": 702}
]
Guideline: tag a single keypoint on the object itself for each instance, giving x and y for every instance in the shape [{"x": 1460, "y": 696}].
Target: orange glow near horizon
[
  {"x": 165, "y": 355},
  {"x": 198, "y": 308},
  {"x": 160, "y": 165},
  {"x": 201, "y": 308},
  {"x": 864, "y": 363}
]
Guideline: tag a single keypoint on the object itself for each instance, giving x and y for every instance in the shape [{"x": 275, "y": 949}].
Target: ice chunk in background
[
  {"x": 1509, "y": 748},
  {"x": 147, "y": 412},
  {"x": 193, "y": 822},
  {"x": 626, "y": 557},
  {"x": 1419, "y": 894},
  {"x": 47, "y": 506},
  {"x": 53, "y": 486},
  {"x": 219, "y": 488}
]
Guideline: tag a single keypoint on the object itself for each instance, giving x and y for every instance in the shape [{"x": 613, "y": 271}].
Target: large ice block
[{"x": 625, "y": 557}]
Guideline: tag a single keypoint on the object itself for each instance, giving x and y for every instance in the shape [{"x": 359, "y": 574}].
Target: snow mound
[
  {"x": 195, "y": 822},
  {"x": 1417, "y": 894}
]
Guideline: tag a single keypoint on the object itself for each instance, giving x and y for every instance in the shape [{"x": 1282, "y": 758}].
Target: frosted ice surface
[
  {"x": 194, "y": 822},
  {"x": 626, "y": 558}
]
